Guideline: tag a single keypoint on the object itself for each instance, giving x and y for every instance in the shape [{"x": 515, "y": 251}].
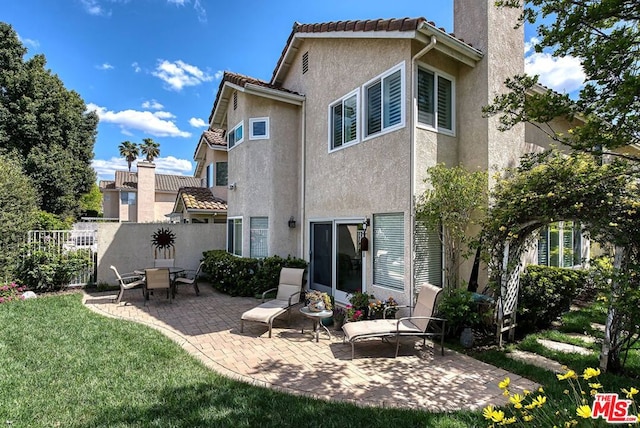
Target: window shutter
[
  {"x": 388, "y": 250},
  {"x": 428, "y": 261},
  {"x": 374, "y": 108},
  {"x": 259, "y": 235},
  {"x": 444, "y": 103},
  {"x": 425, "y": 97},
  {"x": 350, "y": 119},
  {"x": 567, "y": 244},
  {"x": 393, "y": 99},
  {"x": 336, "y": 125},
  {"x": 577, "y": 244},
  {"x": 554, "y": 244},
  {"x": 543, "y": 247}
]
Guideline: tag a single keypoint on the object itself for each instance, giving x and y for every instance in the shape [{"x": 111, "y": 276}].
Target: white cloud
[
  {"x": 152, "y": 104},
  {"x": 105, "y": 66},
  {"x": 179, "y": 74},
  {"x": 562, "y": 74},
  {"x": 219, "y": 74},
  {"x": 29, "y": 42},
  {"x": 136, "y": 67},
  {"x": 93, "y": 7},
  {"x": 196, "y": 122},
  {"x": 105, "y": 169},
  {"x": 152, "y": 123},
  {"x": 197, "y": 6}
]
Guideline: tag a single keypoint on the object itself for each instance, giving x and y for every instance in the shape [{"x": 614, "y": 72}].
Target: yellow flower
[
  {"x": 516, "y": 398},
  {"x": 506, "y": 393},
  {"x": 497, "y": 416},
  {"x": 530, "y": 406},
  {"x": 487, "y": 412},
  {"x": 565, "y": 392},
  {"x": 509, "y": 421},
  {"x": 584, "y": 411},
  {"x": 631, "y": 392},
  {"x": 505, "y": 383},
  {"x": 526, "y": 392},
  {"x": 568, "y": 375},
  {"x": 590, "y": 372},
  {"x": 527, "y": 418},
  {"x": 541, "y": 390},
  {"x": 593, "y": 392},
  {"x": 539, "y": 400},
  {"x": 595, "y": 385}
]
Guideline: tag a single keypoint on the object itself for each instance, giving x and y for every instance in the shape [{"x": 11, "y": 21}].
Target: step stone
[
  {"x": 536, "y": 360},
  {"x": 564, "y": 347}
]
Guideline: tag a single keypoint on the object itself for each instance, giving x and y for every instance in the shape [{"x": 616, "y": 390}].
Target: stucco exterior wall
[
  {"x": 127, "y": 246},
  {"x": 266, "y": 172}
]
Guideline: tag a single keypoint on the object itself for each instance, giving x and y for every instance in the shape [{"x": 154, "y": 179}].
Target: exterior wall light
[{"x": 292, "y": 223}]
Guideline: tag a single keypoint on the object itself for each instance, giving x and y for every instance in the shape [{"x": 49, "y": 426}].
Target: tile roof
[
  {"x": 215, "y": 137},
  {"x": 393, "y": 24},
  {"x": 201, "y": 198},
  {"x": 125, "y": 180},
  {"x": 242, "y": 81}
]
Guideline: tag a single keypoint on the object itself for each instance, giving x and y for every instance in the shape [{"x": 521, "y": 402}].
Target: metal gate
[{"x": 66, "y": 241}]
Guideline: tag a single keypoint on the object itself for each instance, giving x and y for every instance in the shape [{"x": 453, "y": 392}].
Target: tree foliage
[
  {"x": 603, "y": 197},
  {"x": 456, "y": 200},
  {"x": 605, "y": 37},
  {"x": 130, "y": 151},
  {"x": 150, "y": 149},
  {"x": 18, "y": 202},
  {"x": 92, "y": 201},
  {"x": 45, "y": 127}
]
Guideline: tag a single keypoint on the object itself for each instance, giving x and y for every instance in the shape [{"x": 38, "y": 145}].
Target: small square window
[{"x": 259, "y": 128}]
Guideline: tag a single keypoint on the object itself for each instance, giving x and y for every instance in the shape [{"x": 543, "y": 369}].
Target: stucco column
[{"x": 146, "y": 192}]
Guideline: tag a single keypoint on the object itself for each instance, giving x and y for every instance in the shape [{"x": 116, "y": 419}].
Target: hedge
[
  {"x": 241, "y": 276},
  {"x": 545, "y": 294}
]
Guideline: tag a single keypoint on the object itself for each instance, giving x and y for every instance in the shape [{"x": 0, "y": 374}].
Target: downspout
[
  {"x": 303, "y": 178},
  {"x": 414, "y": 112}
]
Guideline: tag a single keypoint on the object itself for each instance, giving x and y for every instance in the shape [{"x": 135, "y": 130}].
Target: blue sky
[{"x": 151, "y": 68}]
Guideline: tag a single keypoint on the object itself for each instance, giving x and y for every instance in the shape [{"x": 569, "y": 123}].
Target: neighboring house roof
[
  {"x": 250, "y": 85},
  {"x": 213, "y": 138},
  {"x": 199, "y": 199},
  {"x": 418, "y": 28},
  {"x": 125, "y": 180}
]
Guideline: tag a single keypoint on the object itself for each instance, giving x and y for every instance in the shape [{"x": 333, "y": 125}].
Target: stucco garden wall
[{"x": 128, "y": 246}]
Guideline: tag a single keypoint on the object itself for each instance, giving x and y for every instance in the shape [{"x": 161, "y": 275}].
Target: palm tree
[
  {"x": 150, "y": 148},
  {"x": 130, "y": 151}
]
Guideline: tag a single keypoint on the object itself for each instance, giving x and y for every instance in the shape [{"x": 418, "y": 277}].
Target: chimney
[
  {"x": 146, "y": 192},
  {"x": 491, "y": 30}
]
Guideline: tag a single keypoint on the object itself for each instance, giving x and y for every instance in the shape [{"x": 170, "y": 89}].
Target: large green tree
[
  {"x": 18, "y": 208},
  {"x": 45, "y": 127},
  {"x": 605, "y": 36}
]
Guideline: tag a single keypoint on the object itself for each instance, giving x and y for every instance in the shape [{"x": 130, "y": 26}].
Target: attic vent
[
  {"x": 235, "y": 100},
  {"x": 305, "y": 62}
]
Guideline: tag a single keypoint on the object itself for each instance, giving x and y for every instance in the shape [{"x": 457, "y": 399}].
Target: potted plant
[
  {"x": 461, "y": 312},
  {"x": 318, "y": 301},
  {"x": 383, "y": 308},
  {"x": 360, "y": 301}
]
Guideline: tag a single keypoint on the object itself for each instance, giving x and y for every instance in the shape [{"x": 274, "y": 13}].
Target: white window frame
[
  {"x": 341, "y": 101},
  {"x": 132, "y": 198},
  {"x": 258, "y": 234},
  {"x": 233, "y": 132},
  {"x": 231, "y": 240},
  {"x": 210, "y": 174},
  {"x": 252, "y": 136},
  {"x": 380, "y": 78},
  {"x": 436, "y": 74},
  {"x": 560, "y": 247}
]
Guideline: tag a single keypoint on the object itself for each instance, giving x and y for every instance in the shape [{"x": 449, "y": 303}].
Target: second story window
[
  {"x": 128, "y": 198},
  {"x": 236, "y": 135},
  {"x": 384, "y": 102},
  {"x": 343, "y": 121},
  {"x": 222, "y": 174},
  {"x": 210, "y": 175},
  {"x": 435, "y": 100},
  {"x": 259, "y": 128}
]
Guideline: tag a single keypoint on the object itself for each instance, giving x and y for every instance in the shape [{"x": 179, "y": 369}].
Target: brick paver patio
[{"x": 208, "y": 327}]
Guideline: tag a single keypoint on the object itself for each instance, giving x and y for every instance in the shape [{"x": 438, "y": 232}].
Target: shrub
[
  {"x": 460, "y": 310},
  {"x": 43, "y": 270},
  {"x": 11, "y": 292},
  {"x": 545, "y": 294},
  {"x": 238, "y": 276}
]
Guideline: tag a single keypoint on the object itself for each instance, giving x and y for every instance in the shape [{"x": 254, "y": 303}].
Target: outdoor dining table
[{"x": 174, "y": 271}]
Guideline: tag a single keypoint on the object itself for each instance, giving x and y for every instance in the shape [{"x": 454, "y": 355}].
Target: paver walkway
[{"x": 208, "y": 327}]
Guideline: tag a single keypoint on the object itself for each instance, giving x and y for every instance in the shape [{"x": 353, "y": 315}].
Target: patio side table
[{"x": 317, "y": 317}]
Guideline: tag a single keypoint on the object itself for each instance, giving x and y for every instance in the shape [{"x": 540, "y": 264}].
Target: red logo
[{"x": 612, "y": 409}]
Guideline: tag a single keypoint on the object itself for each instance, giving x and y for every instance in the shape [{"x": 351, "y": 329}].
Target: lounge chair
[
  {"x": 288, "y": 294},
  {"x": 191, "y": 278},
  {"x": 127, "y": 281},
  {"x": 157, "y": 279},
  {"x": 421, "y": 323}
]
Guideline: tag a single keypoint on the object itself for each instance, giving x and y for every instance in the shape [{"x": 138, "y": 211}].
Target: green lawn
[{"x": 63, "y": 365}]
